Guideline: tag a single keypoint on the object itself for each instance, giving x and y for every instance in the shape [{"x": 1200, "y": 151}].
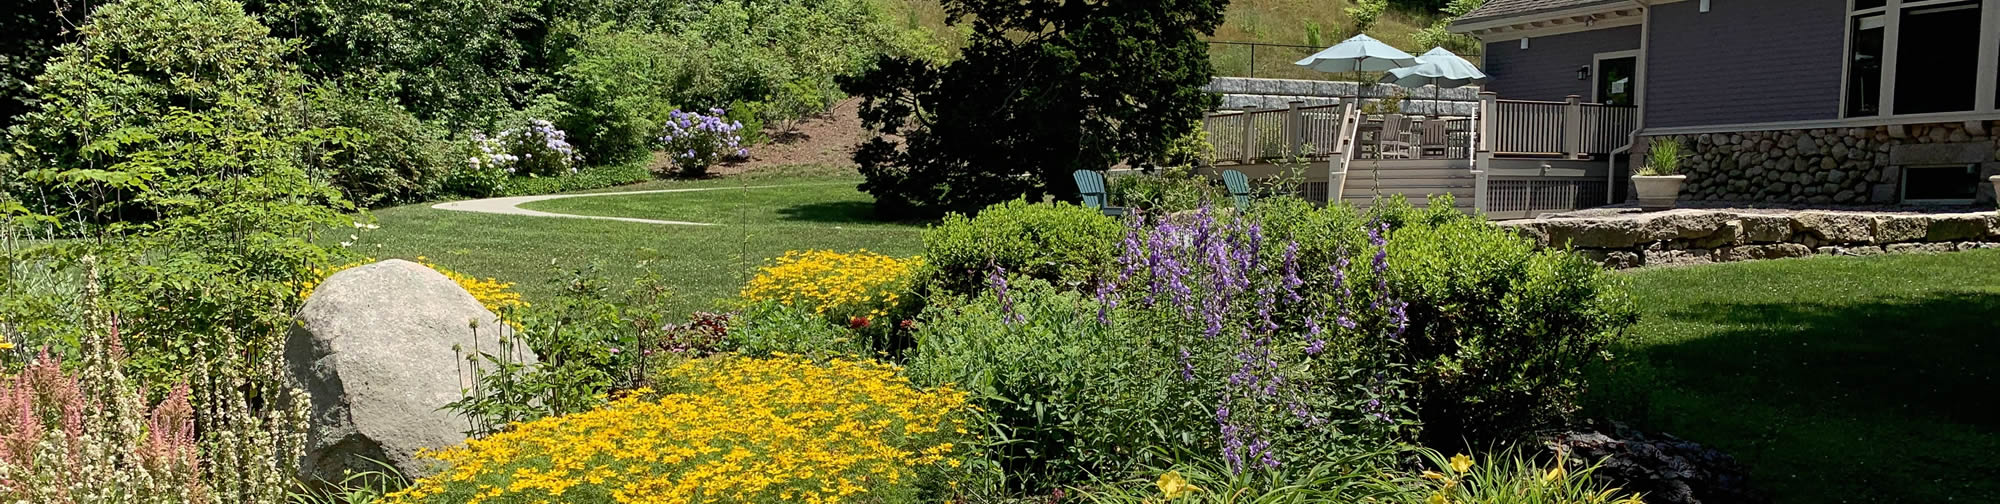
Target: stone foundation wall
[
  {"x": 1704, "y": 236},
  {"x": 1832, "y": 166}
]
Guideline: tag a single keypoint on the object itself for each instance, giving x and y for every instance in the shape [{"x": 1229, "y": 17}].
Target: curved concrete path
[{"x": 510, "y": 205}]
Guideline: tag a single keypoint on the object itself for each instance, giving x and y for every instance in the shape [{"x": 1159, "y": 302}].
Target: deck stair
[{"x": 1416, "y": 182}]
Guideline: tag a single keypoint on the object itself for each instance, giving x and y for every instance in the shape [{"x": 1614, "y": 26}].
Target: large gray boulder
[{"x": 374, "y": 350}]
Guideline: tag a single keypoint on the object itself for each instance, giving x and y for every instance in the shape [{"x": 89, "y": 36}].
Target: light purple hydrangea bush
[
  {"x": 696, "y": 141},
  {"x": 539, "y": 149}
]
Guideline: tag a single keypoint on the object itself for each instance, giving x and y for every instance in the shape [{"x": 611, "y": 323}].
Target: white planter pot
[
  {"x": 1996, "y": 187},
  {"x": 1658, "y": 192}
]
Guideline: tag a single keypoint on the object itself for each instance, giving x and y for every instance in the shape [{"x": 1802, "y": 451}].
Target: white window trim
[
  {"x": 1975, "y": 117},
  {"x": 1597, "y": 69},
  {"x": 1892, "y": 13}
]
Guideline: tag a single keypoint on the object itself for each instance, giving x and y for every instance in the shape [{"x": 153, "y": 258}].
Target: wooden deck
[{"x": 1514, "y": 159}]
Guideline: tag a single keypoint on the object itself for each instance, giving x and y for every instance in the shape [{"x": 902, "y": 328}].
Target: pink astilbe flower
[
  {"x": 41, "y": 395},
  {"x": 170, "y": 443}
]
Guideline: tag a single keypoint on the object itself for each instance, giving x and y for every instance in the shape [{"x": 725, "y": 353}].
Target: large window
[
  {"x": 1934, "y": 54},
  {"x": 1937, "y": 58},
  {"x": 1864, "y": 66}
]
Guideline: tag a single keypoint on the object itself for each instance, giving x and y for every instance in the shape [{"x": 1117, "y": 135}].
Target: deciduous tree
[{"x": 1043, "y": 88}]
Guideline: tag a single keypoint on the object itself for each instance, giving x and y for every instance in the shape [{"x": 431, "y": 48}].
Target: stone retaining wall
[
  {"x": 1240, "y": 92},
  {"x": 1708, "y": 236},
  {"x": 1831, "y": 165}
]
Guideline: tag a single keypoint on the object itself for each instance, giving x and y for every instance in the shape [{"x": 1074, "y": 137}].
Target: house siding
[
  {"x": 1744, "y": 62},
  {"x": 1546, "y": 70}
]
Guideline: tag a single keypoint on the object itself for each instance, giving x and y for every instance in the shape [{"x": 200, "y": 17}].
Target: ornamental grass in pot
[{"x": 1659, "y": 181}]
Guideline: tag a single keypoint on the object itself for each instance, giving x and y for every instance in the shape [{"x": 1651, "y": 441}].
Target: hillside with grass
[{"x": 1308, "y": 23}]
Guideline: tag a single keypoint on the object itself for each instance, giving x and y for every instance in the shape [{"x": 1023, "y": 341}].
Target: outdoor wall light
[{"x": 1583, "y": 72}]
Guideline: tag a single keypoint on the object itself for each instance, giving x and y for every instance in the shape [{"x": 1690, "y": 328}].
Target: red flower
[
  {"x": 906, "y": 324},
  {"x": 857, "y": 322}
]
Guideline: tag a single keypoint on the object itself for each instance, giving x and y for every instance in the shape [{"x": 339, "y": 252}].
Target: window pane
[
  {"x": 1936, "y": 69},
  {"x": 1869, "y": 4},
  {"x": 1941, "y": 183},
  {"x": 1864, "y": 68}
]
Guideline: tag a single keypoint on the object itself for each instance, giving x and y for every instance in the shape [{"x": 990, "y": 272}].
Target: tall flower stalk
[{"x": 1245, "y": 322}]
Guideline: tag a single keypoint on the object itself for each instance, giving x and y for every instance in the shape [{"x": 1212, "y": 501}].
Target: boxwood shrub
[{"x": 1061, "y": 243}]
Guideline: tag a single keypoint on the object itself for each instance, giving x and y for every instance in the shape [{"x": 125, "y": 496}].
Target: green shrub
[
  {"x": 1501, "y": 332},
  {"x": 618, "y": 88},
  {"x": 1169, "y": 190},
  {"x": 1061, "y": 243},
  {"x": 397, "y": 159},
  {"x": 462, "y": 63},
  {"x": 137, "y": 82},
  {"x": 1067, "y": 397},
  {"x": 1452, "y": 329},
  {"x": 594, "y": 177},
  {"x": 770, "y": 328},
  {"x": 1211, "y": 337}
]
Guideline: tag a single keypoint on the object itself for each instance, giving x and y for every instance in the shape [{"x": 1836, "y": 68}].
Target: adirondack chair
[
  {"x": 1239, "y": 188},
  {"x": 1091, "y": 185},
  {"x": 1395, "y": 138}
]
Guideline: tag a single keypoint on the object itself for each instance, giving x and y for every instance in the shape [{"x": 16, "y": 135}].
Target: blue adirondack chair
[
  {"x": 1091, "y": 185},
  {"x": 1239, "y": 188}
]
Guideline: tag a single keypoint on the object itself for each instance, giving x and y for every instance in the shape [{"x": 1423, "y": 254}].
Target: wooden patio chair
[
  {"x": 1091, "y": 185},
  {"x": 1395, "y": 138},
  {"x": 1239, "y": 188},
  {"x": 1435, "y": 140}
]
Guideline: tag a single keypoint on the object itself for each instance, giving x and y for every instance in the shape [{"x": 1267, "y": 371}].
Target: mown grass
[
  {"x": 704, "y": 264},
  {"x": 1833, "y": 379}
]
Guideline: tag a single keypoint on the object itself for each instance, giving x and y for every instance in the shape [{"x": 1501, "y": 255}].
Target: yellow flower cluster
[
  {"x": 860, "y": 284},
  {"x": 493, "y": 293},
  {"x": 783, "y": 429},
  {"x": 1523, "y": 482}
]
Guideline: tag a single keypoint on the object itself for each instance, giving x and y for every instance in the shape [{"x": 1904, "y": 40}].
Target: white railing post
[
  {"x": 1249, "y": 134},
  {"x": 1572, "y": 127},
  {"x": 1344, "y": 145},
  {"x": 1479, "y": 190},
  {"x": 1295, "y": 130},
  {"x": 1486, "y": 128}
]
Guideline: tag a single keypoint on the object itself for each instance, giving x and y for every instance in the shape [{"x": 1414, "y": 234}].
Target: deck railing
[
  {"x": 1528, "y": 196},
  {"x": 1253, "y": 135},
  {"x": 1566, "y": 129}
]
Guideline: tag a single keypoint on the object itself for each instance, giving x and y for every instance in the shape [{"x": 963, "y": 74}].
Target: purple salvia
[
  {"x": 1107, "y": 299},
  {"x": 1187, "y": 365},
  {"x": 1291, "y": 272},
  {"x": 999, "y": 280},
  {"x": 1399, "y": 319},
  {"x": 1264, "y": 305}
]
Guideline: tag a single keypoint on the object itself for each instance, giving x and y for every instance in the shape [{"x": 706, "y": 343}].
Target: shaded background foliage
[{"x": 1043, "y": 88}]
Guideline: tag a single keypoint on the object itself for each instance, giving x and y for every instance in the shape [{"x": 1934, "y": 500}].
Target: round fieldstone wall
[{"x": 1829, "y": 166}]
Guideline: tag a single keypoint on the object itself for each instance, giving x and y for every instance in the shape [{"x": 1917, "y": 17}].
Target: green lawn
[
  {"x": 1833, "y": 379},
  {"x": 704, "y": 263}
]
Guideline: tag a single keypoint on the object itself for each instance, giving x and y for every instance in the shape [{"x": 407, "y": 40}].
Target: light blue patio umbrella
[
  {"x": 1358, "y": 54},
  {"x": 1438, "y": 67}
]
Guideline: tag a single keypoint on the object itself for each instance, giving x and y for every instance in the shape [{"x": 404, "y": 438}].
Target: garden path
[{"x": 511, "y": 205}]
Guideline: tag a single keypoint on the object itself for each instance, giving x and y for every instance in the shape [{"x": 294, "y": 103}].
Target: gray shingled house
[{"x": 1793, "y": 101}]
